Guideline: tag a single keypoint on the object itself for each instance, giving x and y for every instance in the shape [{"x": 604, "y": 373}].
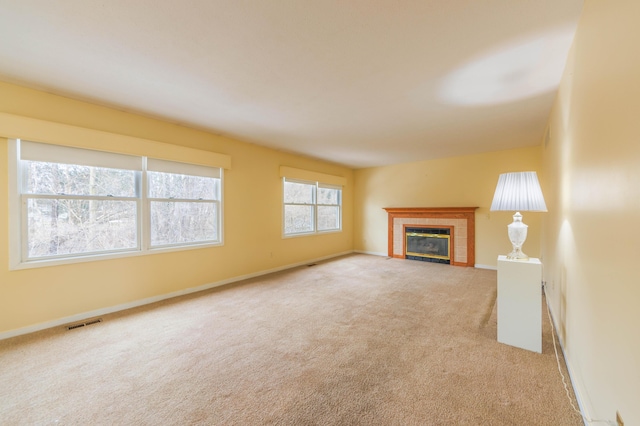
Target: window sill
[
  {"x": 42, "y": 263},
  {"x": 310, "y": 234}
]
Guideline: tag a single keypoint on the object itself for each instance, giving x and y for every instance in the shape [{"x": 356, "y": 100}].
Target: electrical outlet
[{"x": 619, "y": 419}]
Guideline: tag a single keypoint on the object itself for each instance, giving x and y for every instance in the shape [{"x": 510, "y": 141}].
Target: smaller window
[
  {"x": 311, "y": 207},
  {"x": 184, "y": 203},
  {"x": 184, "y": 209},
  {"x": 329, "y": 208}
]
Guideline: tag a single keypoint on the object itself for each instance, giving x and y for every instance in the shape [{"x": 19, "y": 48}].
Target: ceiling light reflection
[{"x": 515, "y": 71}]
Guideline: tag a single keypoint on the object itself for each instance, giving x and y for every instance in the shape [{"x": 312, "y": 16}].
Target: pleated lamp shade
[{"x": 518, "y": 191}]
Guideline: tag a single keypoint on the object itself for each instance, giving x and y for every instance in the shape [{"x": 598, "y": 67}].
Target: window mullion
[
  {"x": 144, "y": 211},
  {"x": 315, "y": 207},
  {"x": 24, "y": 229}
]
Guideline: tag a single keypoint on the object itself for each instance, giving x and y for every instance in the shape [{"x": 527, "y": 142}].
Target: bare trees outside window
[
  {"x": 183, "y": 209},
  {"x": 328, "y": 208},
  {"x": 74, "y": 209},
  {"x": 299, "y": 206},
  {"x": 76, "y": 202},
  {"x": 311, "y": 207}
]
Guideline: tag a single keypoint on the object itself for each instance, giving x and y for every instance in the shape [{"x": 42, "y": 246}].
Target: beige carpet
[{"x": 359, "y": 340}]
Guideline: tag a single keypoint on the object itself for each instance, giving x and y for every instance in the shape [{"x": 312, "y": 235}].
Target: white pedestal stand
[{"x": 520, "y": 303}]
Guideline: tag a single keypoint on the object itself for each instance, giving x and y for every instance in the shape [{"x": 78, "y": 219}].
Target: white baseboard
[
  {"x": 111, "y": 309},
  {"x": 576, "y": 389},
  {"x": 477, "y": 265},
  {"x": 373, "y": 253},
  {"x": 480, "y": 266}
]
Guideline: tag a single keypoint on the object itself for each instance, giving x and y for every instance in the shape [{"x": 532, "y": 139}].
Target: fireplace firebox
[{"x": 428, "y": 244}]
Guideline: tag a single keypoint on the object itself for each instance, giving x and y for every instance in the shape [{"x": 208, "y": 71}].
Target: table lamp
[{"x": 518, "y": 192}]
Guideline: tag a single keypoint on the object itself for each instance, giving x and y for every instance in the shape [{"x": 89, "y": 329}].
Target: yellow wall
[
  {"x": 468, "y": 181},
  {"x": 591, "y": 233},
  {"x": 590, "y": 176},
  {"x": 252, "y": 222}
]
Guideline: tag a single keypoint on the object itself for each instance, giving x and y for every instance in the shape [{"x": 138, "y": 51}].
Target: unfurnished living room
[{"x": 319, "y": 213}]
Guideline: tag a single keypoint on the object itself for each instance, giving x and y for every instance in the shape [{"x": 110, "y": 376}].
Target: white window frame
[
  {"x": 338, "y": 204},
  {"x": 18, "y": 258},
  {"x": 164, "y": 166},
  {"x": 314, "y": 205}
]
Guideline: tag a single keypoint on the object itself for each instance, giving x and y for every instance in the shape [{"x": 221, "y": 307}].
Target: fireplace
[
  {"x": 459, "y": 220},
  {"x": 428, "y": 244}
]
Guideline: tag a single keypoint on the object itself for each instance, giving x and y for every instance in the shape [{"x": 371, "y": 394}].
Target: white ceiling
[{"x": 361, "y": 82}]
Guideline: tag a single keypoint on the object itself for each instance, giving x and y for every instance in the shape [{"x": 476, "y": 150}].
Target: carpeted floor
[{"x": 359, "y": 340}]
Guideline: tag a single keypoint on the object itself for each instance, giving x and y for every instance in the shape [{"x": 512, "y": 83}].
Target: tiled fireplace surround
[{"x": 461, "y": 221}]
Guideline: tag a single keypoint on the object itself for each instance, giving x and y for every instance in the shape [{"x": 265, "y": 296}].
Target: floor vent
[{"x": 83, "y": 324}]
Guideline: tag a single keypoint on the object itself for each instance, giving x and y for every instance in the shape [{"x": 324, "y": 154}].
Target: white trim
[
  {"x": 373, "y": 253},
  {"x": 577, "y": 391},
  {"x": 144, "y": 210},
  {"x": 311, "y": 233},
  {"x": 96, "y": 257},
  {"x": 221, "y": 209},
  {"x": 153, "y": 299},
  {"x": 15, "y": 217},
  {"x": 480, "y": 266}
]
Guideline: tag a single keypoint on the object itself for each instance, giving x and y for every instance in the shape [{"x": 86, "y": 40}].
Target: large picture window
[
  {"x": 311, "y": 207},
  {"x": 75, "y": 202}
]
